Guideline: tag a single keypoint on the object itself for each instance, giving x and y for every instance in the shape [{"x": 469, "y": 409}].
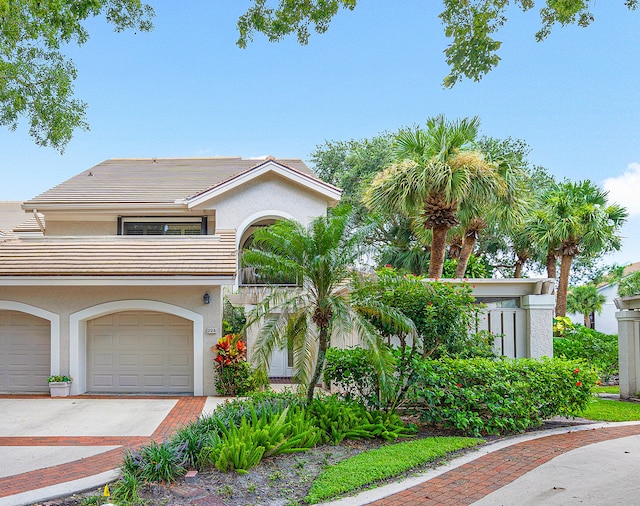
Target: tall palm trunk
[
  {"x": 323, "y": 341},
  {"x": 468, "y": 244},
  {"x": 563, "y": 285},
  {"x": 517, "y": 273},
  {"x": 552, "y": 263},
  {"x": 587, "y": 320},
  {"x": 438, "y": 250}
]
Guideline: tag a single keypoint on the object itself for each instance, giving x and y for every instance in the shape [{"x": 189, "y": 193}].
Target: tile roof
[
  {"x": 11, "y": 214},
  {"x": 31, "y": 224},
  {"x": 120, "y": 256},
  {"x": 150, "y": 180}
]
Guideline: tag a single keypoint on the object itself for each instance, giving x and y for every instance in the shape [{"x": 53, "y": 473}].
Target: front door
[{"x": 281, "y": 364}]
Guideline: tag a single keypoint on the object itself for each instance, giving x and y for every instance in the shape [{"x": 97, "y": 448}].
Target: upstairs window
[{"x": 162, "y": 226}]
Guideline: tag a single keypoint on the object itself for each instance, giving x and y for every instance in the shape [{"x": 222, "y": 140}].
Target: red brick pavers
[
  {"x": 185, "y": 410},
  {"x": 474, "y": 480}
]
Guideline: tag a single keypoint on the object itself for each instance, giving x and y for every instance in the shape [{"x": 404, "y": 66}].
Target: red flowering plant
[{"x": 233, "y": 373}]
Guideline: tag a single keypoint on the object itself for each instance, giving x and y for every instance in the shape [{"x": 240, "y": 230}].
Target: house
[
  {"x": 605, "y": 321},
  {"x": 11, "y": 215},
  {"x": 116, "y": 276}
]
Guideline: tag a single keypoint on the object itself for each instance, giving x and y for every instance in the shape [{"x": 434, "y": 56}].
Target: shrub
[
  {"x": 351, "y": 371},
  {"x": 339, "y": 419},
  {"x": 630, "y": 285},
  {"x": 269, "y": 434},
  {"x": 207, "y": 431},
  {"x": 481, "y": 396},
  {"x": 155, "y": 462},
  {"x": 598, "y": 349},
  {"x": 233, "y": 373}
]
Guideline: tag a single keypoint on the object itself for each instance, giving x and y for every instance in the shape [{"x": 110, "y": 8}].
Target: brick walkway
[
  {"x": 185, "y": 410},
  {"x": 474, "y": 480}
]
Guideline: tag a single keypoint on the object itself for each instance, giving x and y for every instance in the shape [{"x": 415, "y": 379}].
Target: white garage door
[
  {"x": 138, "y": 352},
  {"x": 25, "y": 352}
]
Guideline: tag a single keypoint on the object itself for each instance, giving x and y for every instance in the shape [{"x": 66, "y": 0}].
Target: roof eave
[{"x": 330, "y": 192}]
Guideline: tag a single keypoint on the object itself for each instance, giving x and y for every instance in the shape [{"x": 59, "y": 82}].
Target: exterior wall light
[{"x": 206, "y": 298}]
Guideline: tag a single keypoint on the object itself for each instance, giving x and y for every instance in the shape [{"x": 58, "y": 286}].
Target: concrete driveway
[{"x": 53, "y": 447}]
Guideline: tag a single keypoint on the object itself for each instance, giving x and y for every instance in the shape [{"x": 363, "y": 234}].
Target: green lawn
[
  {"x": 608, "y": 389},
  {"x": 386, "y": 462},
  {"x": 612, "y": 411}
]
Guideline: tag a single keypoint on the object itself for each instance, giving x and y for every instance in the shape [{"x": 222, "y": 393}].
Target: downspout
[{"x": 38, "y": 221}]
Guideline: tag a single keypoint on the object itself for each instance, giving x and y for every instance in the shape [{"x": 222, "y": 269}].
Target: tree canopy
[
  {"x": 36, "y": 79},
  {"x": 470, "y": 24}
]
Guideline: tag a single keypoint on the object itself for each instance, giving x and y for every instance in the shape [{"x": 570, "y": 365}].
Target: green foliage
[
  {"x": 235, "y": 379},
  {"x": 608, "y": 389},
  {"x": 59, "y": 378},
  {"x": 233, "y": 318},
  {"x": 481, "y": 396},
  {"x": 562, "y": 325},
  {"x": 193, "y": 437},
  {"x": 351, "y": 372},
  {"x": 612, "y": 411},
  {"x": 598, "y": 349},
  {"x": 443, "y": 313},
  {"x": 234, "y": 375},
  {"x": 155, "y": 462},
  {"x": 322, "y": 256},
  {"x": 242, "y": 447},
  {"x": 477, "y": 267},
  {"x": 387, "y": 462},
  {"x": 339, "y": 419},
  {"x": 471, "y": 24},
  {"x": 585, "y": 300},
  {"x": 37, "y": 79},
  {"x": 351, "y": 166},
  {"x": 576, "y": 219},
  {"x": 125, "y": 490},
  {"x": 630, "y": 285}
]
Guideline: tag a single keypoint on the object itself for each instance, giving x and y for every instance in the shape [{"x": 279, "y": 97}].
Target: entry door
[{"x": 281, "y": 364}]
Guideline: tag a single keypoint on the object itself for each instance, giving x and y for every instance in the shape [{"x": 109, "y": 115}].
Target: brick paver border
[
  {"x": 472, "y": 481},
  {"x": 185, "y": 410}
]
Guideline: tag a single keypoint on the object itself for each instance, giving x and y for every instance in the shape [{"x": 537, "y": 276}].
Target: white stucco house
[
  {"x": 116, "y": 276},
  {"x": 606, "y": 321}
]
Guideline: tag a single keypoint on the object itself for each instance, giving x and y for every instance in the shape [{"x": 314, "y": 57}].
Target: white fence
[{"x": 510, "y": 328}]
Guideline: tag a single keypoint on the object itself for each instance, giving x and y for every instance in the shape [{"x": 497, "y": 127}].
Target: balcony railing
[{"x": 250, "y": 276}]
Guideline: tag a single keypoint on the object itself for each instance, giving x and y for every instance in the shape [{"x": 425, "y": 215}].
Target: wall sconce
[{"x": 206, "y": 298}]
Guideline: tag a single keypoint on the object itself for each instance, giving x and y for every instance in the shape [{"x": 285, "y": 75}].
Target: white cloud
[{"x": 625, "y": 189}]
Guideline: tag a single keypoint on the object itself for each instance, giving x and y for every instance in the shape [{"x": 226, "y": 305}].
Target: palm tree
[
  {"x": 506, "y": 208},
  {"x": 585, "y": 300},
  {"x": 322, "y": 258},
  {"x": 576, "y": 219},
  {"x": 438, "y": 169}
]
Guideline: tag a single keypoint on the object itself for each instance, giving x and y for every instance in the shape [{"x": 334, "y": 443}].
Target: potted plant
[{"x": 59, "y": 385}]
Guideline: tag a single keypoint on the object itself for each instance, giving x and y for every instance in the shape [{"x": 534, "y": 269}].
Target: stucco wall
[
  {"x": 81, "y": 227},
  {"x": 67, "y": 300},
  {"x": 269, "y": 192}
]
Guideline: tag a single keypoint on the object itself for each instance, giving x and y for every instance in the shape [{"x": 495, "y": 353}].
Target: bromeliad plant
[{"x": 234, "y": 375}]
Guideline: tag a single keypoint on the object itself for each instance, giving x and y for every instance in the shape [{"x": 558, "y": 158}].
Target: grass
[
  {"x": 386, "y": 462},
  {"x": 608, "y": 389},
  {"x": 612, "y": 411}
]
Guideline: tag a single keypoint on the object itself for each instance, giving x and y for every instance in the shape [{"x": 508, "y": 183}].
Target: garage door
[
  {"x": 25, "y": 352},
  {"x": 140, "y": 352}
]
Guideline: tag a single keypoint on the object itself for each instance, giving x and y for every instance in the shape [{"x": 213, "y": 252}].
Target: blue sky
[{"x": 186, "y": 90}]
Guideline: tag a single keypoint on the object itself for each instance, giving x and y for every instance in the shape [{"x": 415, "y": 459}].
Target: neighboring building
[
  {"x": 605, "y": 321},
  {"x": 117, "y": 276}
]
